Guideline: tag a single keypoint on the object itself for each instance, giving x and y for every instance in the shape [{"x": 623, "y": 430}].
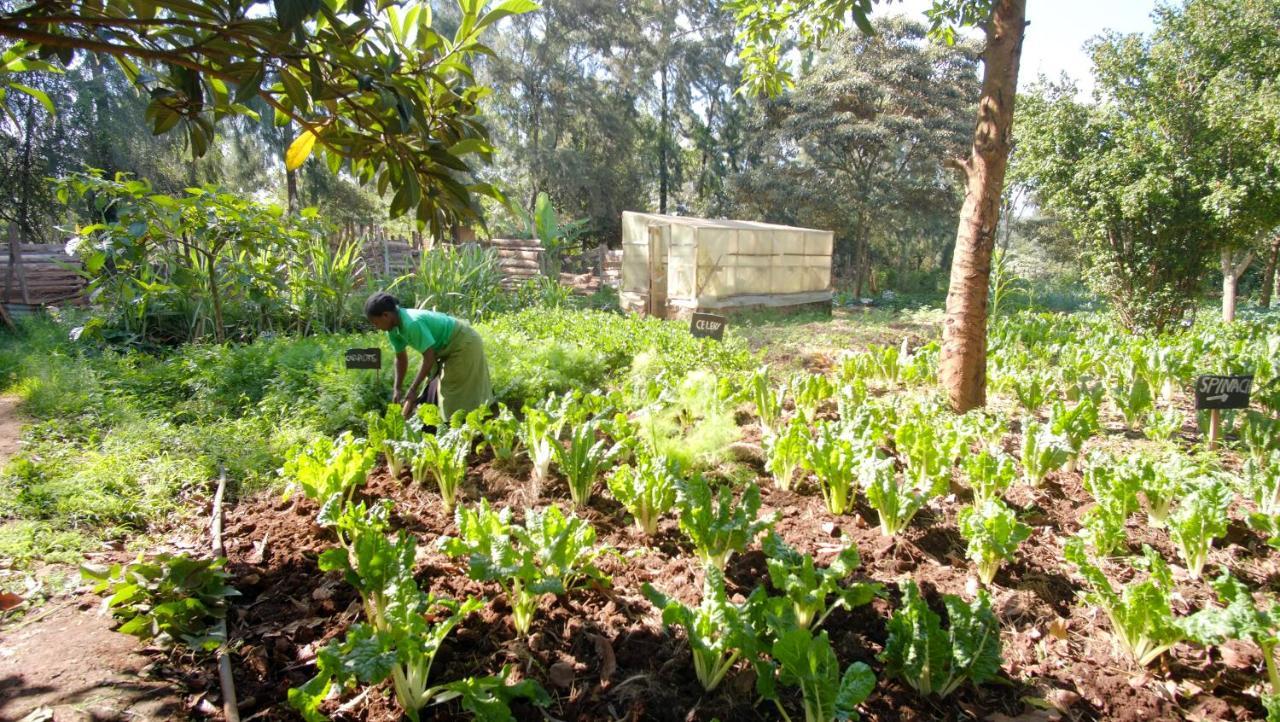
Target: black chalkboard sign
[
  {"x": 364, "y": 358},
  {"x": 1223, "y": 392},
  {"x": 706, "y": 325}
]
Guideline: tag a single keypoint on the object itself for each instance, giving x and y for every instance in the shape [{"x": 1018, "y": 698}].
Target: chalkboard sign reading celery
[
  {"x": 364, "y": 358},
  {"x": 706, "y": 325},
  {"x": 1223, "y": 392}
]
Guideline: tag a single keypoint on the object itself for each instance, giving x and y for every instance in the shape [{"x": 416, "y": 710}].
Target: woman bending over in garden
[{"x": 464, "y": 379}]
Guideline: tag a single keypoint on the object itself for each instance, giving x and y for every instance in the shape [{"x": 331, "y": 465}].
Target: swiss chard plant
[
  {"x": 1157, "y": 487},
  {"x": 786, "y": 452},
  {"x": 1116, "y": 498},
  {"x": 384, "y": 432},
  {"x": 798, "y": 658},
  {"x": 1200, "y": 518},
  {"x": 1260, "y": 436},
  {"x": 1162, "y": 424},
  {"x": 894, "y": 499},
  {"x": 1241, "y": 618},
  {"x": 809, "y": 592},
  {"x": 936, "y": 661},
  {"x": 994, "y": 533},
  {"x": 1033, "y": 388},
  {"x": 1042, "y": 452},
  {"x": 927, "y": 451},
  {"x": 989, "y": 474},
  {"x": 169, "y": 598},
  {"x": 811, "y": 391},
  {"x": 833, "y": 458},
  {"x": 647, "y": 489},
  {"x": 1141, "y": 614},
  {"x": 1262, "y": 484},
  {"x": 327, "y": 471},
  {"x": 716, "y": 523},
  {"x": 581, "y": 459},
  {"x": 1077, "y": 424},
  {"x": 539, "y": 434},
  {"x": 443, "y": 457},
  {"x": 767, "y": 399},
  {"x": 552, "y": 553},
  {"x": 720, "y": 633},
  {"x": 499, "y": 432},
  {"x": 1132, "y": 396}
]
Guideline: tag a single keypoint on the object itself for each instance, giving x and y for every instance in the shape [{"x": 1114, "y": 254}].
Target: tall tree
[
  {"x": 375, "y": 86},
  {"x": 858, "y": 146},
  {"x": 766, "y": 27}
]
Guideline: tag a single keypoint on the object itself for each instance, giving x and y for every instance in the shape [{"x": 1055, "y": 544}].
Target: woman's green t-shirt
[{"x": 422, "y": 330}]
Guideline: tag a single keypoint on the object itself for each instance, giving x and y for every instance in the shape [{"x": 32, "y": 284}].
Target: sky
[{"x": 1057, "y": 32}]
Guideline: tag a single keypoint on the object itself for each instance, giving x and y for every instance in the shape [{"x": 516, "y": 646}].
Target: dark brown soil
[{"x": 1059, "y": 659}]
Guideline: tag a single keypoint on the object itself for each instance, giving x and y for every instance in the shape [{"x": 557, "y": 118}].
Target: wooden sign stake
[{"x": 1215, "y": 428}]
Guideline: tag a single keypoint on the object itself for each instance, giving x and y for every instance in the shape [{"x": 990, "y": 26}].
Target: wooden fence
[{"x": 37, "y": 274}]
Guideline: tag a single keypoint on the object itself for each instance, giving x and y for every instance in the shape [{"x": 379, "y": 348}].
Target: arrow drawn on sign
[{"x": 1219, "y": 397}]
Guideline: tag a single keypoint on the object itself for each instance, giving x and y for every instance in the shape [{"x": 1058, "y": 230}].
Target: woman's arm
[
  {"x": 402, "y": 366},
  {"x": 428, "y": 363}
]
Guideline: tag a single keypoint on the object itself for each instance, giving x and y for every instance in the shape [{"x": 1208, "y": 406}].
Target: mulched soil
[{"x": 605, "y": 654}]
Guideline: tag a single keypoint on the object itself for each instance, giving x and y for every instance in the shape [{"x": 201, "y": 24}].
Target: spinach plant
[
  {"x": 993, "y": 532},
  {"x": 810, "y": 592},
  {"x": 1116, "y": 497},
  {"x": 767, "y": 399},
  {"x": 581, "y": 460},
  {"x": 1042, "y": 452},
  {"x": 832, "y": 458},
  {"x": 647, "y": 489},
  {"x": 989, "y": 475},
  {"x": 328, "y": 471},
  {"x": 1076, "y": 424},
  {"x": 935, "y": 661},
  {"x": 383, "y": 432},
  {"x": 551, "y": 553},
  {"x": 888, "y": 492},
  {"x": 719, "y": 632},
  {"x": 443, "y": 457},
  {"x": 798, "y": 658},
  {"x": 718, "y": 525},
  {"x": 1241, "y": 618},
  {"x": 1199, "y": 519},
  {"x": 1142, "y": 621},
  {"x": 786, "y": 452}
]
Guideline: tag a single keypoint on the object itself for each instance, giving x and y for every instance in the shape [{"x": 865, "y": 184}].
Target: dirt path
[
  {"x": 10, "y": 427},
  {"x": 62, "y": 662}
]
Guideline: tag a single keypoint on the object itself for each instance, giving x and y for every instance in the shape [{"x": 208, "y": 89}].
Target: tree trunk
[
  {"x": 963, "y": 364},
  {"x": 291, "y": 185},
  {"x": 663, "y": 177},
  {"x": 1231, "y": 272},
  {"x": 1269, "y": 274}
]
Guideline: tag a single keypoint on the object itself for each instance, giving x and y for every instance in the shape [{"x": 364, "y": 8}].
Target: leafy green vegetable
[
  {"x": 1076, "y": 424},
  {"x": 719, "y": 632},
  {"x": 806, "y": 587},
  {"x": 170, "y": 597},
  {"x": 832, "y": 458},
  {"x": 1116, "y": 497},
  {"x": 647, "y": 490},
  {"x": 927, "y": 451},
  {"x": 936, "y": 661},
  {"x": 443, "y": 456},
  {"x": 767, "y": 400},
  {"x": 550, "y": 554},
  {"x": 895, "y": 501},
  {"x": 1241, "y": 619},
  {"x": 581, "y": 460},
  {"x": 1199, "y": 519},
  {"x": 1042, "y": 452},
  {"x": 799, "y": 659},
  {"x": 990, "y": 475},
  {"x": 328, "y": 471},
  {"x": 1032, "y": 388},
  {"x": 1157, "y": 487},
  {"x": 1260, "y": 435},
  {"x": 384, "y": 431},
  {"x": 786, "y": 452},
  {"x": 1162, "y": 424},
  {"x": 538, "y": 433},
  {"x": 1132, "y": 396},
  {"x": 810, "y": 391},
  {"x": 1141, "y": 615},
  {"x": 994, "y": 533},
  {"x": 499, "y": 432},
  {"x": 718, "y": 525}
]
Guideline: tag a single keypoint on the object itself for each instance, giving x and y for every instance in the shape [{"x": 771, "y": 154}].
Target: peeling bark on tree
[
  {"x": 963, "y": 365},
  {"x": 1269, "y": 274},
  {"x": 1231, "y": 272}
]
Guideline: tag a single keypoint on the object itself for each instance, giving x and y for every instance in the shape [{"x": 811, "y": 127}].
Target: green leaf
[{"x": 36, "y": 93}]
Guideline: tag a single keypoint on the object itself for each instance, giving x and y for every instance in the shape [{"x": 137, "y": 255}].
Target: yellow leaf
[{"x": 299, "y": 150}]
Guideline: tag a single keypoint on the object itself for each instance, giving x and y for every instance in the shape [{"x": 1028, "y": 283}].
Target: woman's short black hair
[{"x": 380, "y": 303}]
